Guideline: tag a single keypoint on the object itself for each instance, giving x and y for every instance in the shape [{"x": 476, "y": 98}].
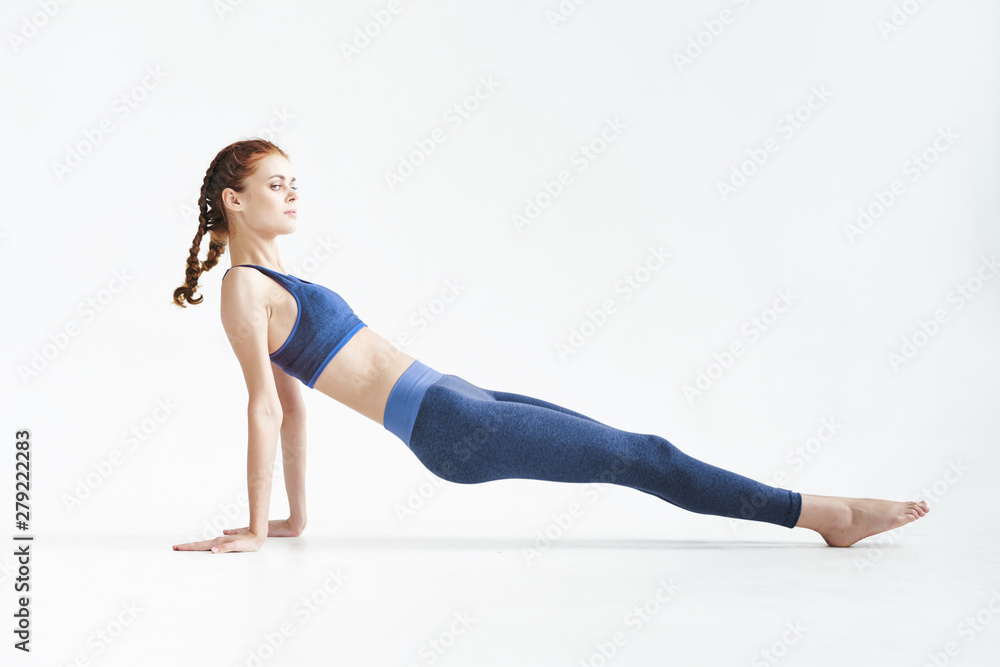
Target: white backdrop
[{"x": 821, "y": 179}]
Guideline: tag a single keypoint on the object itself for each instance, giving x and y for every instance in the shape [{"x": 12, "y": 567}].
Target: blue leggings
[{"x": 469, "y": 435}]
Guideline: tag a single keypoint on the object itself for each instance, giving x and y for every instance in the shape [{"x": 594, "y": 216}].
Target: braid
[{"x": 230, "y": 169}]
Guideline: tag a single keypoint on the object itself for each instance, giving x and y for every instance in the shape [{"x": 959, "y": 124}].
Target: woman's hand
[
  {"x": 245, "y": 541},
  {"x": 275, "y": 528}
]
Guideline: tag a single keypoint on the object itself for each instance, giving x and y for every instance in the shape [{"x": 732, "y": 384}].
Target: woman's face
[{"x": 269, "y": 201}]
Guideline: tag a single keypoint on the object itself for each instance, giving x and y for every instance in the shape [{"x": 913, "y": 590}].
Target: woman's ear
[{"x": 228, "y": 199}]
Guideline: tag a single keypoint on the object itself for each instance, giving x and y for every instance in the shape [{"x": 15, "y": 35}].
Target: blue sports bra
[{"x": 323, "y": 325}]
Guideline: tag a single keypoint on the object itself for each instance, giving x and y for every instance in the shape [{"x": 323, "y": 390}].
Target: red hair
[{"x": 231, "y": 168}]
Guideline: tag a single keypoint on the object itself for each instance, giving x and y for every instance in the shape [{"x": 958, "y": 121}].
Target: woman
[{"x": 284, "y": 329}]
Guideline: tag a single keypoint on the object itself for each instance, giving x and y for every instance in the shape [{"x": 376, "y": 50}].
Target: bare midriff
[{"x": 363, "y": 372}]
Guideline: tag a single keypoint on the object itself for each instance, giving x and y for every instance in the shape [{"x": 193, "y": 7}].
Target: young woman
[{"x": 285, "y": 330}]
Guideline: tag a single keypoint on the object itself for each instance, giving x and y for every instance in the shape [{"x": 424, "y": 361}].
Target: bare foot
[{"x": 844, "y": 521}]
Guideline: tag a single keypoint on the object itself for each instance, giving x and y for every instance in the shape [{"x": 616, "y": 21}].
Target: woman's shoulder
[{"x": 245, "y": 290}]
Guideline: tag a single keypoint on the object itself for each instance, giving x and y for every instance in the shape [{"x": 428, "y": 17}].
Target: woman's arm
[
  {"x": 264, "y": 423},
  {"x": 293, "y": 457},
  {"x": 245, "y": 317},
  {"x": 293, "y": 447}
]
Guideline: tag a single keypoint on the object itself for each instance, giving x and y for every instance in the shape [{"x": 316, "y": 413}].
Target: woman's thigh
[
  {"x": 467, "y": 434},
  {"x": 530, "y": 400}
]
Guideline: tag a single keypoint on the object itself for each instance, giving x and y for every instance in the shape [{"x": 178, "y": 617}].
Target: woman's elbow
[{"x": 264, "y": 408}]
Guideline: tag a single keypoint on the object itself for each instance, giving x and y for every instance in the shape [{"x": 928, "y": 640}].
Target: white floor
[{"x": 408, "y": 601}]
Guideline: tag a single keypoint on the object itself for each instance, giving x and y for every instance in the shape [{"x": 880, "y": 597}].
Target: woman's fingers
[
  {"x": 223, "y": 544},
  {"x": 237, "y": 543},
  {"x": 237, "y": 539},
  {"x": 203, "y": 545}
]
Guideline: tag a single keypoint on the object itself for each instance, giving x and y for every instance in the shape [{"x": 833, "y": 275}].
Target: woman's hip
[{"x": 405, "y": 397}]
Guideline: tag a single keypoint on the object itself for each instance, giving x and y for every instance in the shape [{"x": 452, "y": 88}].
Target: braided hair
[{"x": 230, "y": 169}]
